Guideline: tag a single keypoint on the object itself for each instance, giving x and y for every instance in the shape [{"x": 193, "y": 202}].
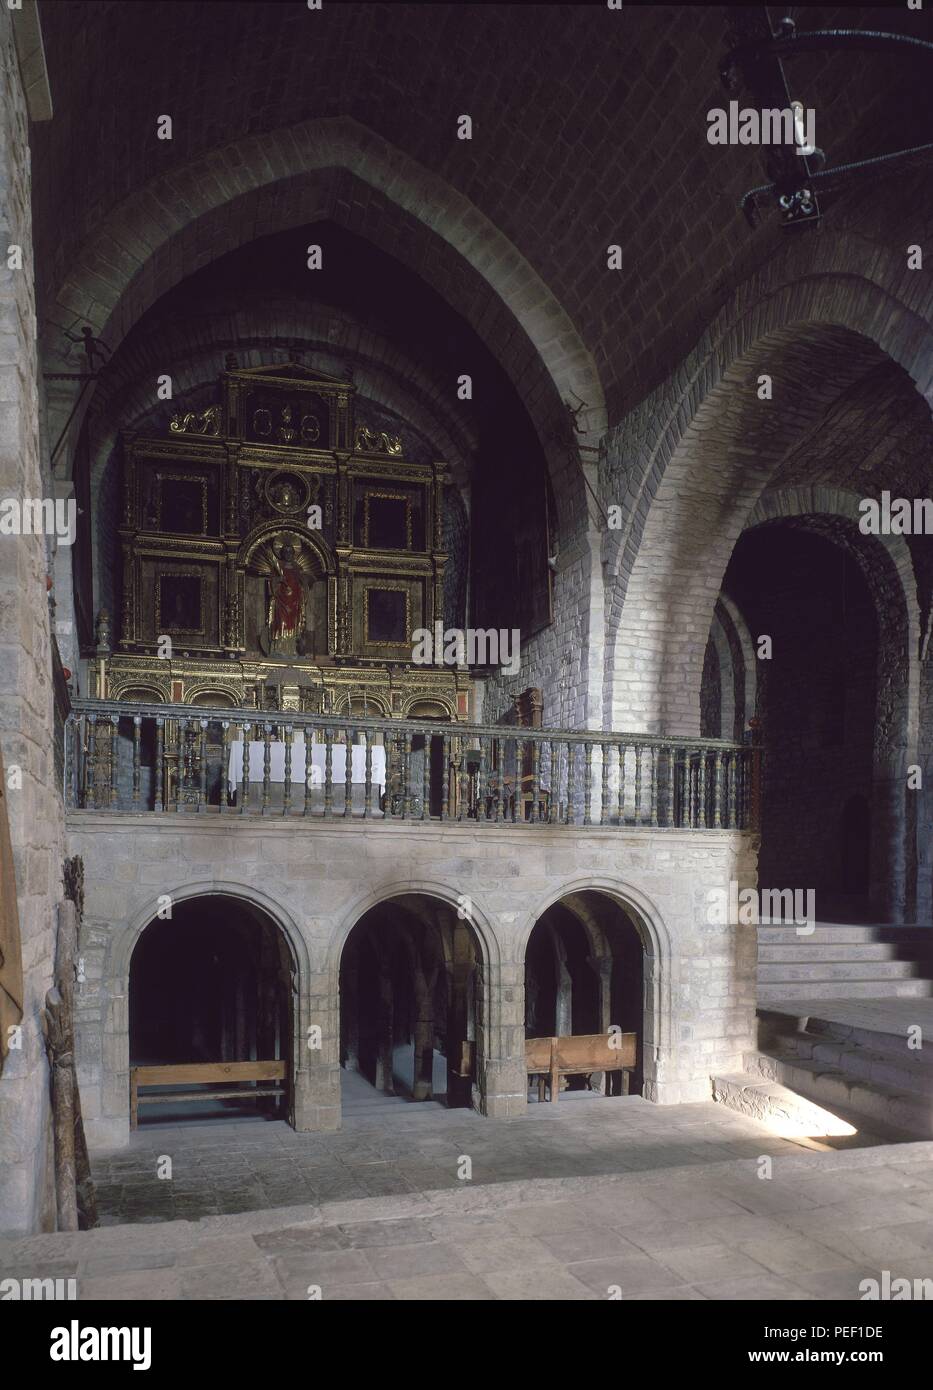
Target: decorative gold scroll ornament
[
  {"x": 377, "y": 441},
  {"x": 197, "y": 422}
]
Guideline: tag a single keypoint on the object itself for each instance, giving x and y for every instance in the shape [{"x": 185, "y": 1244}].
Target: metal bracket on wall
[{"x": 798, "y": 181}]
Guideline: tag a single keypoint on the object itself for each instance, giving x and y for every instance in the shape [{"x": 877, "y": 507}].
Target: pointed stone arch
[{"x": 715, "y": 452}]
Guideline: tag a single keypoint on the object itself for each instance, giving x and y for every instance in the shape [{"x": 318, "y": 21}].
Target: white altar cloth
[{"x": 318, "y": 755}]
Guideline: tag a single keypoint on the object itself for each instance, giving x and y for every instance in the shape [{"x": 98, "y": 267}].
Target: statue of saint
[
  {"x": 288, "y": 567},
  {"x": 287, "y": 603}
]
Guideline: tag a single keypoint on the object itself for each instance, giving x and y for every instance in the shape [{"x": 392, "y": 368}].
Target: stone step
[
  {"x": 778, "y": 1022},
  {"x": 863, "y": 1035},
  {"x": 772, "y": 1103},
  {"x": 805, "y": 950},
  {"x": 891, "y": 1108},
  {"x": 832, "y": 933},
  {"x": 816, "y": 970},
  {"x": 772, "y": 992},
  {"x": 893, "y": 1066}
]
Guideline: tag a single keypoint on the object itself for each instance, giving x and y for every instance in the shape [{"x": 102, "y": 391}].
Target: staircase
[
  {"x": 838, "y": 1012},
  {"x": 839, "y": 961},
  {"x": 857, "y": 1066}
]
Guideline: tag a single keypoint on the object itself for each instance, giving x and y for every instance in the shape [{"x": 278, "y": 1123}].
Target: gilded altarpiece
[{"x": 277, "y": 555}]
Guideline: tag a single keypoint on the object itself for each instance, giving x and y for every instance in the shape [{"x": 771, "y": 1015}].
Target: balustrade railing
[{"x": 182, "y": 759}]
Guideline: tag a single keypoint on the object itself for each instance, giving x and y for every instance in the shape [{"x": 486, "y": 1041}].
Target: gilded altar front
[{"x": 277, "y": 555}]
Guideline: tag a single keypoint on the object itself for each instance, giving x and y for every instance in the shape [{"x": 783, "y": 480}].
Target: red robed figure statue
[{"x": 286, "y": 599}]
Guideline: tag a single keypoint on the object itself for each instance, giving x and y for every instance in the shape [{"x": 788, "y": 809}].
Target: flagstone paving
[
  {"x": 588, "y": 1199},
  {"x": 814, "y": 1230},
  {"x": 389, "y": 1146}
]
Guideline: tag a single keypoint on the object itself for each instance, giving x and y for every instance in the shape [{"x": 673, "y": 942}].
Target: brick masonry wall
[
  {"x": 26, "y": 724},
  {"x": 317, "y": 881}
]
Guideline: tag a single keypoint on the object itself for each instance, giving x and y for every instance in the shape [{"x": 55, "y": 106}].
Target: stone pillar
[
  {"x": 501, "y": 1089},
  {"x": 458, "y": 1024},
  {"x": 384, "y": 1078},
  {"x": 350, "y": 1007},
  {"x": 316, "y": 1069},
  {"x": 423, "y": 1062},
  {"x": 26, "y": 709},
  {"x": 888, "y": 858},
  {"x": 602, "y": 968}
]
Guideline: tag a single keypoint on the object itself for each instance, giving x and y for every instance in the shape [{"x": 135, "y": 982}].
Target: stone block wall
[
  {"x": 26, "y": 718},
  {"x": 316, "y": 882}
]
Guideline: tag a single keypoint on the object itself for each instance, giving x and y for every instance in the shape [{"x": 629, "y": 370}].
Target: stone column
[
  {"x": 423, "y": 1061},
  {"x": 458, "y": 1027},
  {"x": 384, "y": 1078},
  {"x": 602, "y": 968},
  {"x": 315, "y": 1069},
  {"x": 350, "y": 1007},
  {"x": 501, "y": 1089}
]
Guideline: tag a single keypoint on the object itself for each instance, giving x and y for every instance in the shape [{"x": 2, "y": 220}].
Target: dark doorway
[
  {"x": 584, "y": 974},
  {"x": 212, "y": 983},
  {"x": 409, "y": 992}
]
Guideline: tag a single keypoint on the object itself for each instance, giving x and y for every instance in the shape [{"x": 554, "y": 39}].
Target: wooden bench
[
  {"x": 212, "y": 1074},
  {"x": 551, "y": 1058}
]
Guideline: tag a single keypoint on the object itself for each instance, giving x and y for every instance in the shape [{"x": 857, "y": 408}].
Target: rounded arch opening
[
  {"x": 212, "y": 983},
  {"x": 827, "y": 612},
  {"x": 412, "y": 1005},
  {"x": 585, "y": 973}
]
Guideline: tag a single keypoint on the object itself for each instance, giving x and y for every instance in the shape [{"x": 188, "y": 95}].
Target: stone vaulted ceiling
[{"x": 589, "y": 128}]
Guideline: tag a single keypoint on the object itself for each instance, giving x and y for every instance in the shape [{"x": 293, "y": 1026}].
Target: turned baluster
[
  {"x": 445, "y": 777},
  {"x": 717, "y": 790},
  {"x": 244, "y": 780},
  {"x": 553, "y": 776},
  {"x": 406, "y": 776},
  {"x": 224, "y": 762},
  {"x": 202, "y": 761},
  {"x": 638, "y": 780},
  {"x": 266, "y": 767},
  {"x": 731, "y": 769},
  {"x": 287, "y": 789},
  {"x": 310, "y": 779},
  {"x": 112, "y": 760},
  {"x": 348, "y": 775},
  {"x": 500, "y": 776},
  {"x": 137, "y": 738},
  {"x": 368, "y": 784},
  {"x": 159, "y": 762},
  {"x": 426, "y": 780},
  {"x": 328, "y": 774},
  {"x": 587, "y": 783}
]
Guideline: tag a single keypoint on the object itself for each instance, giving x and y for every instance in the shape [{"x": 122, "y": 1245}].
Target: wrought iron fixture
[{"x": 756, "y": 61}]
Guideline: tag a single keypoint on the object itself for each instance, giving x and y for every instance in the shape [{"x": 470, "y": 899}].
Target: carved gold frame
[
  {"x": 387, "y": 497},
  {"x": 394, "y": 587},
  {"x": 193, "y": 573},
  {"x": 162, "y": 477}
]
